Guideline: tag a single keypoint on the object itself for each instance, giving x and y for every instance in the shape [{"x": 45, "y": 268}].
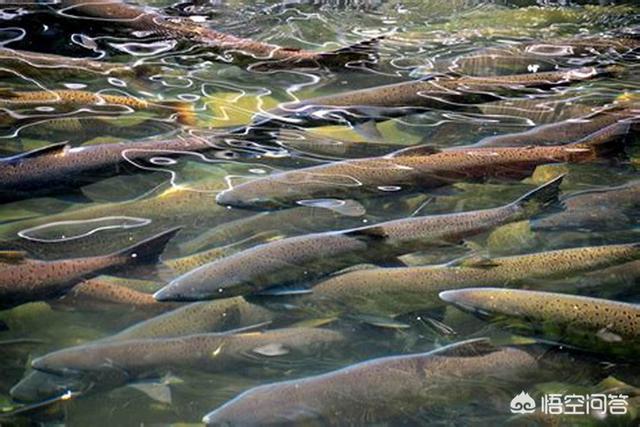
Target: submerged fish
[
  {"x": 242, "y": 50},
  {"x": 106, "y": 293},
  {"x": 539, "y": 55},
  {"x": 24, "y": 279},
  {"x": 592, "y": 323},
  {"x": 379, "y": 390},
  {"x": 311, "y": 256},
  {"x": 400, "y": 99},
  {"x": 46, "y": 64},
  {"x": 615, "y": 122},
  {"x": 601, "y": 209},
  {"x": 408, "y": 169},
  {"x": 196, "y": 318},
  {"x": 48, "y": 169},
  {"x": 125, "y": 361},
  {"x": 395, "y": 291},
  {"x": 187, "y": 205},
  {"x": 13, "y": 102}
]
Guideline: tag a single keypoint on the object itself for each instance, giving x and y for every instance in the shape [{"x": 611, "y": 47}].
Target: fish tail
[
  {"x": 538, "y": 199},
  {"x": 362, "y": 51},
  {"x": 185, "y": 112},
  {"x": 149, "y": 250},
  {"x": 607, "y": 141}
]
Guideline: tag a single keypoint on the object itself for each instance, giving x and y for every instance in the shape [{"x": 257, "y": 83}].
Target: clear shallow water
[{"x": 421, "y": 38}]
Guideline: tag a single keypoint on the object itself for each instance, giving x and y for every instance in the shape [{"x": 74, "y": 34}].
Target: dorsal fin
[
  {"x": 12, "y": 257},
  {"x": 420, "y": 150},
  {"x": 469, "y": 348},
  {"x": 52, "y": 149}
]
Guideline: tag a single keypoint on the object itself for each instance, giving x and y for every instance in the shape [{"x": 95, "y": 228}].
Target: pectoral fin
[{"x": 271, "y": 350}]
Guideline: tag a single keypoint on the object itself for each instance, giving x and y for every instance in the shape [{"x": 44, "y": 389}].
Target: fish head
[
  {"x": 200, "y": 284},
  {"x": 91, "y": 362},
  {"x": 37, "y": 386}
]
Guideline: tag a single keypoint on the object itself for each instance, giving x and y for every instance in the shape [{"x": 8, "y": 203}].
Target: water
[{"x": 161, "y": 191}]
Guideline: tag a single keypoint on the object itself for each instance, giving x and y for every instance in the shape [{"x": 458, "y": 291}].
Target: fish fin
[
  {"x": 313, "y": 323},
  {"x": 420, "y": 150},
  {"x": 374, "y": 232},
  {"x": 469, "y": 348},
  {"x": 538, "y": 199},
  {"x": 369, "y": 131},
  {"x": 440, "y": 327},
  {"x": 246, "y": 328},
  {"x": 148, "y": 250},
  {"x": 158, "y": 392},
  {"x": 52, "y": 149},
  {"x": 474, "y": 261},
  {"x": 13, "y": 257},
  {"x": 380, "y": 321},
  {"x": 356, "y": 267},
  {"x": 366, "y": 49},
  {"x": 277, "y": 291},
  {"x": 608, "y": 141},
  {"x": 186, "y": 115},
  {"x": 272, "y": 350}
]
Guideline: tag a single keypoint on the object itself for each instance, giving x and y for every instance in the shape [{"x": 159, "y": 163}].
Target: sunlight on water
[{"x": 230, "y": 212}]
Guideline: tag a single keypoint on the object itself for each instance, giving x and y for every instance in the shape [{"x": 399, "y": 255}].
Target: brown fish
[
  {"x": 196, "y": 318},
  {"x": 609, "y": 208},
  {"x": 242, "y": 50},
  {"x": 125, "y": 361},
  {"x": 409, "y": 169},
  {"x": 312, "y": 256},
  {"x": 47, "y": 170},
  {"x": 379, "y": 390},
  {"x": 46, "y": 64},
  {"x": 616, "y": 122},
  {"x": 592, "y": 323},
  {"x": 400, "y": 99},
  {"x": 396, "y": 291},
  {"x": 13, "y": 102},
  {"x": 23, "y": 279}
]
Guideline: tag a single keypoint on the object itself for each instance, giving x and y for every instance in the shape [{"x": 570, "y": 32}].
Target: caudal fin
[
  {"x": 185, "y": 113},
  {"x": 148, "y": 251},
  {"x": 537, "y": 200},
  {"x": 362, "y": 51},
  {"x": 607, "y": 141}
]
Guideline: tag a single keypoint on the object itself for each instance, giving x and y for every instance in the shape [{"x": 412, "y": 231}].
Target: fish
[
  {"x": 378, "y": 390},
  {"x": 126, "y": 361},
  {"x": 36, "y": 64},
  {"x": 298, "y": 220},
  {"x": 107, "y": 293},
  {"x": 12, "y": 104},
  {"x": 25, "y": 279},
  {"x": 49, "y": 169},
  {"x": 567, "y": 131},
  {"x": 237, "y": 50},
  {"x": 381, "y": 103},
  {"x": 608, "y": 208},
  {"x": 311, "y": 256},
  {"x": 190, "y": 204},
  {"x": 413, "y": 168},
  {"x": 190, "y": 319},
  {"x": 401, "y": 290},
  {"x": 594, "y": 324},
  {"x": 541, "y": 56}
]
